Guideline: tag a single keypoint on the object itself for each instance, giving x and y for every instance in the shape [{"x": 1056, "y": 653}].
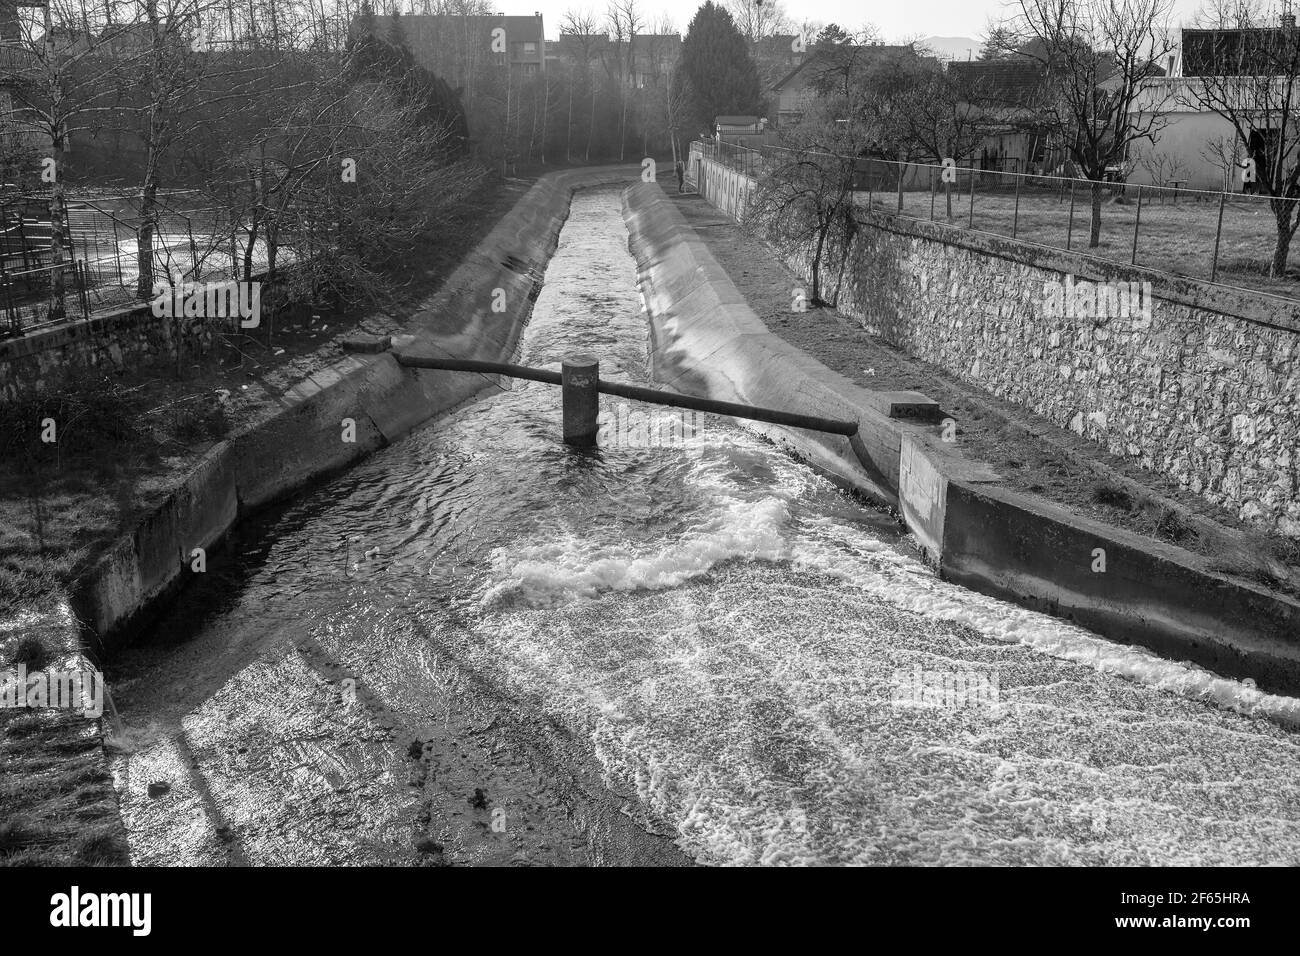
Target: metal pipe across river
[{"x": 654, "y": 395}]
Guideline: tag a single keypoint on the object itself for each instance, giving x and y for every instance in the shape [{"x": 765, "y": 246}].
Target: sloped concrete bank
[
  {"x": 338, "y": 415},
  {"x": 706, "y": 341}
]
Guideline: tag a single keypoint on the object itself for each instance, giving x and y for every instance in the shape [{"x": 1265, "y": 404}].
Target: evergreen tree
[
  {"x": 998, "y": 44},
  {"x": 366, "y": 19},
  {"x": 391, "y": 62},
  {"x": 718, "y": 65},
  {"x": 397, "y": 33},
  {"x": 832, "y": 35}
]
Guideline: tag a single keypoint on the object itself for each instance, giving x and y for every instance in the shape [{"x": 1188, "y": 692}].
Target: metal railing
[
  {"x": 1213, "y": 235},
  {"x": 192, "y": 239}
]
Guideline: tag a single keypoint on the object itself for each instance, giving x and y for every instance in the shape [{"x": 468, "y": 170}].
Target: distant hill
[{"x": 955, "y": 48}]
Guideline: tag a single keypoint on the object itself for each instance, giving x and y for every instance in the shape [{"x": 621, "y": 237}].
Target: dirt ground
[{"x": 1033, "y": 455}]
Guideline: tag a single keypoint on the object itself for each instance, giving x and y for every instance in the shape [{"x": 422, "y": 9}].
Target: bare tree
[
  {"x": 579, "y": 40},
  {"x": 1247, "y": 70},
  {"x": 1098, "y": 56},
  {"x": 65, "y": 87},
  {"x": 184, "y": 91},
  {"x": 1224, "y": 153},
  {"x": 805, "y": 199},
  {"x": 660, "y": 99},
  {"x": 942, "y": 114},
  {"x": 353, "y": 229},
  {"x": 1161, "y": 166},
  {"x": 624, "y": 21},
  {"x": 676, "y": 103},
  {"x": 757, "y": 20}
]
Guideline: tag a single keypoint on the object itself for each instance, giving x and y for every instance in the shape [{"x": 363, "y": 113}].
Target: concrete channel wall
[
  {"x": 305, "y": 440},
  {"x": 706, "y": 341}
]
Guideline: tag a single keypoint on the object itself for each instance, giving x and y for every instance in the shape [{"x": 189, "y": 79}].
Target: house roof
[
  {"x": 736, "y": 120},
  {"x": 1015, "y": 79},
  {"x": 417, "y": 26},
  {"x": 776, "y": 43},
  {"x": 1011, "y": 81},
  {"x": 1249, "y": 52}
]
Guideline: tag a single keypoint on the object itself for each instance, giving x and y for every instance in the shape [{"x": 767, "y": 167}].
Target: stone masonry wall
[
  {"x": 126, "y": 340},
  {"x": 123, "y": 340}
]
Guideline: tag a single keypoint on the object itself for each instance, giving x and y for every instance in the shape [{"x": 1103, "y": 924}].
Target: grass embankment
[{"x": 1174, "y": 237}]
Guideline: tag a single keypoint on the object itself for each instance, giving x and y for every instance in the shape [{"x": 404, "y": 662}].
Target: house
[
  {"x": 1008, "y": 95},
  {"x": 452, "y": 45},
  {"x": 1195, "y": 146},
  {"x": 1005, "y": 93},
  {"x": 653, "y": 55}
]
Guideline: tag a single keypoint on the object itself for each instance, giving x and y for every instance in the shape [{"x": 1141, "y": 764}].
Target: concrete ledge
[
  {"x": 378, "y": 400},
  {"x": 975, "y": 531},
  {"x": 1044, "y": 557}
]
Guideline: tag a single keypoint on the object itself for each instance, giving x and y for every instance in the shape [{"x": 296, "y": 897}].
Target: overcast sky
[{"x": 898, "y": 20}]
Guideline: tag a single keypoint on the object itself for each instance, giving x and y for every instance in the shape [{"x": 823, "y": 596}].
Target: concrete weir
[
  {"x": 380, "y": 399},
  {"x": 706, "y": 341}
]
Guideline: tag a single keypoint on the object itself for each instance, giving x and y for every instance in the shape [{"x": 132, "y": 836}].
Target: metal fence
[
  {"x": 1213, "y": 235},
  {"x": 193, "y": 239}
]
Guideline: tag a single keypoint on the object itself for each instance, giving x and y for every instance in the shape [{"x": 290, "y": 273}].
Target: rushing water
[{"x": 707, "y": 633}]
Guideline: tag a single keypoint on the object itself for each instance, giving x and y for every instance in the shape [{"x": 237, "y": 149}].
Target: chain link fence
[
  {"x": 1227, "y": 238},
  {"x": 193, "y": 239}
]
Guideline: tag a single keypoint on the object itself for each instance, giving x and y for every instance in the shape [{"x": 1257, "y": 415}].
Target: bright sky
[{"x": 898, "y": 20}]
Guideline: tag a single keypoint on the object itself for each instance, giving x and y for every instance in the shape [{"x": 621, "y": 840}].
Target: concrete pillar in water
[{"x": 578, "y": 376}]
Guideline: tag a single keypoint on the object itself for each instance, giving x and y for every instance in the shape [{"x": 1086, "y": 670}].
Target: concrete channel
[{"x": 700, "y": 656}]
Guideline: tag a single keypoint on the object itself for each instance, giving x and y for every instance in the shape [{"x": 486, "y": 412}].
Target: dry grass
[
  {"x": 60, "y": 501},
  {"x": 1174, "y": 237},
  {"x": 57, "y": 806}
]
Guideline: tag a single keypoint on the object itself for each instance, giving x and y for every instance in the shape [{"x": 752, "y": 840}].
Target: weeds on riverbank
[
  {"x": 57, "y": 793},
  {"x": 75, "y": 463},
  {"x": 57, "y": 806},
  {"x": 1269, "y": 560}
]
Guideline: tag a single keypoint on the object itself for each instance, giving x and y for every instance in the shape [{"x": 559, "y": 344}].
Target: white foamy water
[{"x": 749, "y": 703}]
